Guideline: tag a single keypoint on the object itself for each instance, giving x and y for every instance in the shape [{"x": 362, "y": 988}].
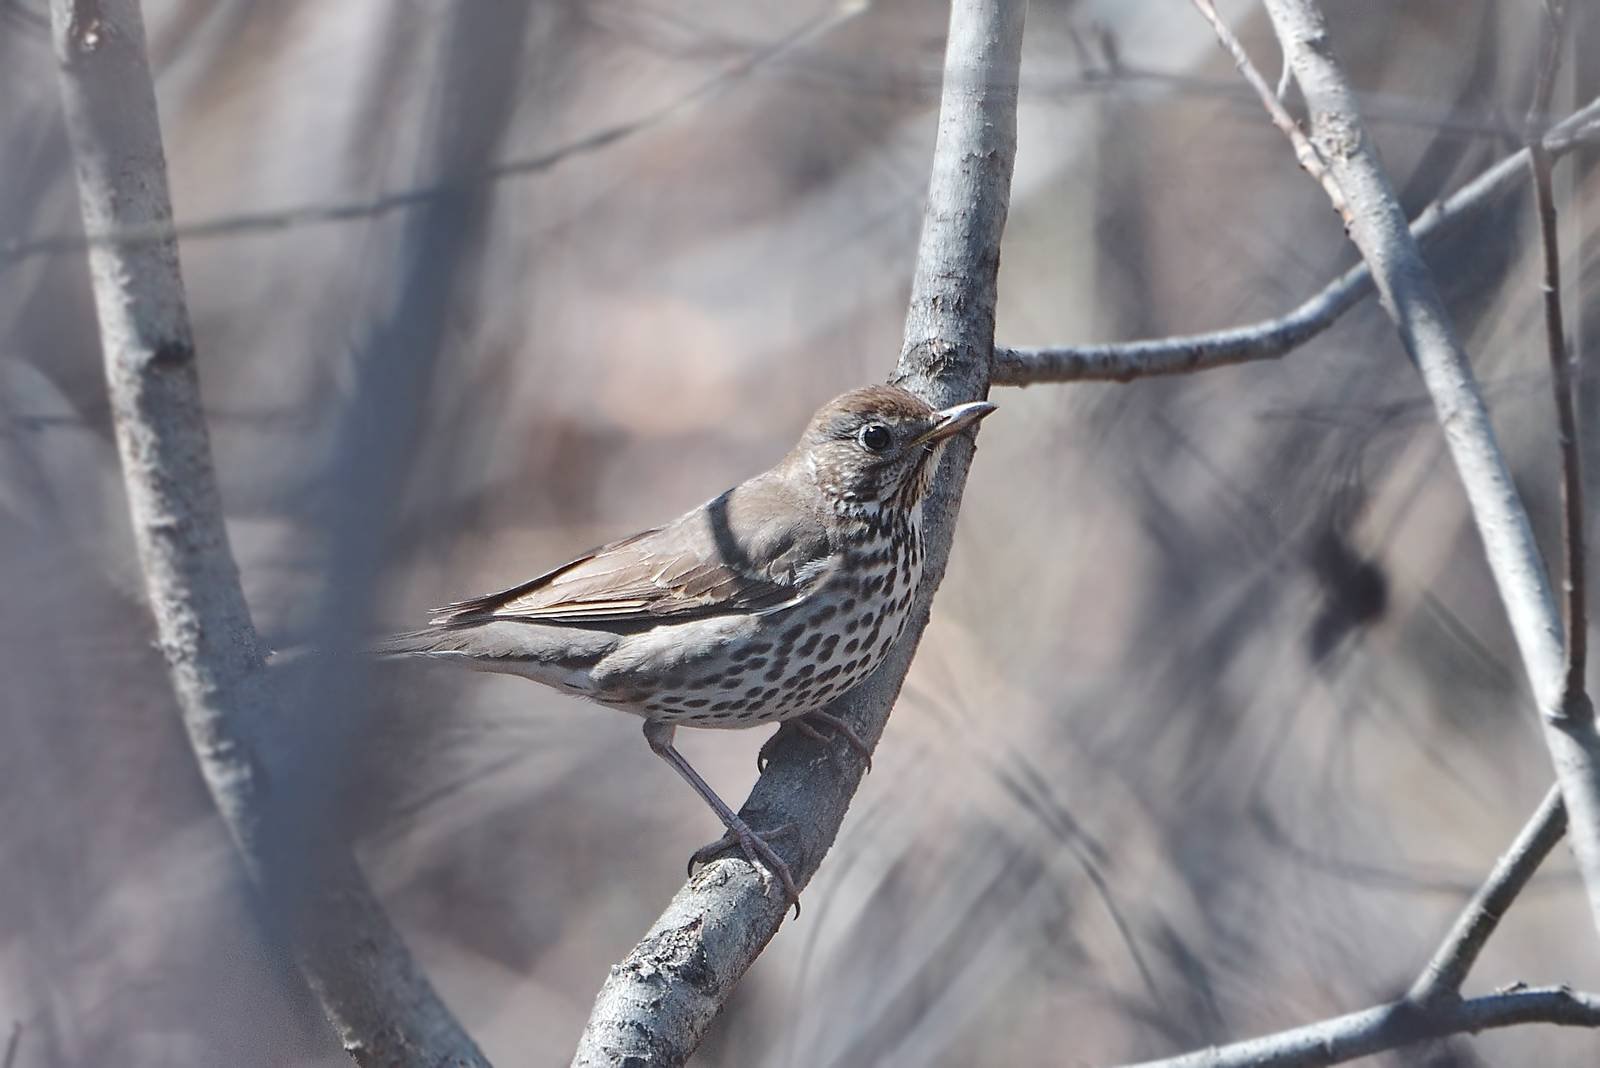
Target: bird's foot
[
  {"x": 757, "y": 852},
  {"x": 811, "y": 725}
]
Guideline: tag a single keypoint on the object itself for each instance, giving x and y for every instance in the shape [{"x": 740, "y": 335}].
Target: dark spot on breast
[
  {"x": 753, "y": 692},
  {"x": 831, "y": 673},
  {"x": 696, "y": 702},
  {"x": 721, "y": 706},
  {"x": 792, "y": 635},
  {"x": 851, "y": 646},
  {"x": 829, "y": 644},
  {"x": 753, "y": 649},
  {"x": 805, "y": 672},
  {"x": 775, "y": 672},
  {"x": 756, "y": 664},
  {"x": 810, "y": 644},
  {"x": 825, "y": 613}
]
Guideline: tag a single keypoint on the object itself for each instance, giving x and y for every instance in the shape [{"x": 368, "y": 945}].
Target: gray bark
[
  {"x": 1273, "y": 338},
  {"x": 1391, "y": 1026},
  {"x": 658, "y": 1002},
  {"x": 381, "y": 1006},
  {"x": 1407, "y": 292}
]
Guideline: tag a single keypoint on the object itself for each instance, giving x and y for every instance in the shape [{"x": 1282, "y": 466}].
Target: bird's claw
[
  {"x": 809, "y": 725},
  {"x": 757, "y": 852}
]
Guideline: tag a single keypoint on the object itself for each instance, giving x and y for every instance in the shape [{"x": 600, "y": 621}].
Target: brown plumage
[{"x": 760, "y": 606}]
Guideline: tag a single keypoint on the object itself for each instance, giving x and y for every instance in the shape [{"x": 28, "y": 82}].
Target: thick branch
[
  {"x": 1391, "y": 1026},
  {"x": 1272, "y": 338},
  {"x": 382, "y": 1007},
  {"x": 1407, "y": 292},
  {"x": 656, "y": 1005},
  {"x": 1444, "y": 974}
]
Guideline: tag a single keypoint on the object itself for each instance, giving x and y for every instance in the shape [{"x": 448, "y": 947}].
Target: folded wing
[{"x": 697, "y": 566}]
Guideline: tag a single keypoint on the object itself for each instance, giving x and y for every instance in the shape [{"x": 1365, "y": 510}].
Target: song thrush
[{"x": 759, "y": 606}]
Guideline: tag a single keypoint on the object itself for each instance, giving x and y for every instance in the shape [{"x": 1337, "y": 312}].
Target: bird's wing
[{"x": 694, "y": 567}]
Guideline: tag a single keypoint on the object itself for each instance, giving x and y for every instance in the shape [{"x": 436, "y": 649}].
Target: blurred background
[{"x": 1218, "y": 721}]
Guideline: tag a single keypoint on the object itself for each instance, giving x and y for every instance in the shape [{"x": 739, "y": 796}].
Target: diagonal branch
[
  {"x": 1305, "y": 153},
  {"x": 1433, "y": 1007},
  {"x": 380, "y": 1004},
  {"x": 1441, "y": 978},
  {"x": 656, "y": 1005},
  {"x": 1274, "y": 338},
  {"x": 1399, "y": 1023},
  {"x": 1407, "y": 292}
]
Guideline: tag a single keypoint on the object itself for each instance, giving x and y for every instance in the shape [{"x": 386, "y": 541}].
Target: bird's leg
[
  {"x": 808, "y": 725},
  {"x": 659, "y": 735}
]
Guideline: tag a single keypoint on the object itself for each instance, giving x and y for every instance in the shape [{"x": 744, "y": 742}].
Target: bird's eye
[{"x": 875, "y": 437}]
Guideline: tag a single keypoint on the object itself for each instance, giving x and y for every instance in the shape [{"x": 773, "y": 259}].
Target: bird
[{"x": 760, "y": 606}]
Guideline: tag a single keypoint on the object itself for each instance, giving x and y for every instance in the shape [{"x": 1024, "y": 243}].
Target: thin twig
[
  {"x": 1305, "y": 152},
  {"x": 1391, "y": 1026},
  {"x": 658, "y": 1002},
  {"x": 1552, "y": 35},
  {"x": 1409, "y": 295},
  {"x": 379, "y": 1002},
  {"x": 258, "y": 222},
  {"x": 1443, "y": 975},
  {"x": 1574, "y": 697},
  {"x": 1271, "y": 339}
]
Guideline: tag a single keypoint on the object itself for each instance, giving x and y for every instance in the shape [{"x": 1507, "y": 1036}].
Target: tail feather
[
  {"x": 413, "y": 643},
  {"x": 501, "y": 641}
]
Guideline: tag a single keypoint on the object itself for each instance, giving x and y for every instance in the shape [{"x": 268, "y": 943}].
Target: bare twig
[
  {"x": 1552, "y": 34},
  {"x": 1305, "y": 152},
  {"x": 1408, "y": 294},
  {"x": 1399, "y": 1023},
  {"x": 656, "y": 1005},
  {"x": 1272, "y": 338},
  {"x": 258, "y": 222},
  {"x": 1443, "y": 975},
  {"x": 382, "y": 1007},
  {"x": 1574, "y": 697}
]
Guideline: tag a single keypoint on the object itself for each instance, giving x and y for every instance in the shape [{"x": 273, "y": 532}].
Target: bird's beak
[{"x": 952, "y": 421}]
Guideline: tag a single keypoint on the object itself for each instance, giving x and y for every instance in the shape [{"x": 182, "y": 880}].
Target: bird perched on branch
[{"x": 760, "y": 606}]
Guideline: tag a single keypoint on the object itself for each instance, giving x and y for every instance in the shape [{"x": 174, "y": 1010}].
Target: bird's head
[{"x": 880, "y": 445}]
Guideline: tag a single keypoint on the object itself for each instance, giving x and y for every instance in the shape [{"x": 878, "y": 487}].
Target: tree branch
[
  {"x": 1305, "y": 153},
  {"x": 1574, "y": 697},
  {"x": 1442, "y": 977},
  {"x": 1399, "y": 1023},
  {"x": 656, "y": 1005},
  {"x": 1408, "y": 294},
  {"x": 381, "y": 1006},
  {"x": 1274, "y": 338}
]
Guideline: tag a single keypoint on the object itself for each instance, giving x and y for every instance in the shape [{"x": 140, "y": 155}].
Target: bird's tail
[{"x": 412, "y": 643}]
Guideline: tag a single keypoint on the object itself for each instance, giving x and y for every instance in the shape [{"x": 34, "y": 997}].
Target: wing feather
[{"x": 689, "y": 569}]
